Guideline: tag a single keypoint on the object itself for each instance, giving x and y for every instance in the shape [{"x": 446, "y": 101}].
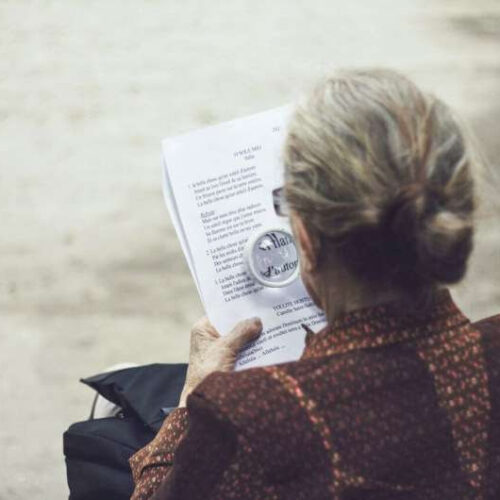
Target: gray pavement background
[{"x": 91, "y": 273}]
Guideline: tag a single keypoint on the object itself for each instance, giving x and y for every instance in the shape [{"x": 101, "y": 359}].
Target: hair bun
[
  {"x": 444, "y": 245},
  {"x": 433, "y": 242}
]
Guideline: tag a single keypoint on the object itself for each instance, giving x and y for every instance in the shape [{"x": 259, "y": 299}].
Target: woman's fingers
[
  {"x": 243, "y": 332},
  {"x": 210, "y": 352}
]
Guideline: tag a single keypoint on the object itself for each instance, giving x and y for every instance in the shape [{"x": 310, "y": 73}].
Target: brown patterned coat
[{"x": 382, "y": 405}]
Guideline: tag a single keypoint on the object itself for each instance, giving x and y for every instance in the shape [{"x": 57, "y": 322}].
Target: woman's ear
[{"x": 308, "y": 244}]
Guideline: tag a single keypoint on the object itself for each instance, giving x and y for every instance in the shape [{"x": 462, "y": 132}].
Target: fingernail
[{"x": 257, "y": 321}]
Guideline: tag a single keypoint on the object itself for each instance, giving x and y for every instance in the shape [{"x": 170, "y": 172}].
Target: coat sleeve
[
  {"x": 188, "y": 456},
  {"x": 204, "y": 454},
  {"x": 223, "y": 449},
  {"x": 152, "y": 464}
]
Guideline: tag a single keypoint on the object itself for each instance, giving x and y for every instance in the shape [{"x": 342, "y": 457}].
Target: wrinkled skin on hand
[{"x": 210, "y": 351}]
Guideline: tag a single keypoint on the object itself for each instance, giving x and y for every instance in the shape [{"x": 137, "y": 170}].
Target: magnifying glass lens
[{"x": 272, "y": 258}]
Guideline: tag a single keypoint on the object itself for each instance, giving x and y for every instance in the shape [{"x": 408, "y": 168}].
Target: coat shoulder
[
  {"x": 255, "y": 394},
  {"x": 490, "y": 329},
  {"x": 261, "y": 410}
]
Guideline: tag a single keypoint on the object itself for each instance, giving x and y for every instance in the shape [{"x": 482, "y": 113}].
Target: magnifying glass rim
[{"x": 249, "y": 261}]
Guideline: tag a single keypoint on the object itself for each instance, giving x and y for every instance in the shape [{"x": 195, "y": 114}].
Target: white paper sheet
[
  {"x": 218, "y": 189},
  {"x": 169, "y": 198}
]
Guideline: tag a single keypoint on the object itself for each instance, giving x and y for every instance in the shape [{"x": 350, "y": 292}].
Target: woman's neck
[
  {"x": 339, "y": 293},
  {"x": 338, "y": 302}
]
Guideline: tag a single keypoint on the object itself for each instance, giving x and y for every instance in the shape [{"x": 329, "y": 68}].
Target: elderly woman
[{"x": 399, "y": 396}]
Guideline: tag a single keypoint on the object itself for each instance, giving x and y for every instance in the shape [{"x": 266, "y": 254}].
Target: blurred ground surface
[{"x": 90, "y": 269}]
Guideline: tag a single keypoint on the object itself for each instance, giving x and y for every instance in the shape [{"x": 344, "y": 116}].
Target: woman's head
[{"x": 379, "y": 174}]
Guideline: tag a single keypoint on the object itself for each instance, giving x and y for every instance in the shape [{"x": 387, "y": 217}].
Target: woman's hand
[{"x": 210, "y": 352}]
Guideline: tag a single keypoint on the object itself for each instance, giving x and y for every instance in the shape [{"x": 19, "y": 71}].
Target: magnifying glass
[{"x": 272, "y": 258}]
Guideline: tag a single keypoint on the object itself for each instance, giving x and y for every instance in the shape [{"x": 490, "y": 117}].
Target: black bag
[{"x": 97, "y": 451}]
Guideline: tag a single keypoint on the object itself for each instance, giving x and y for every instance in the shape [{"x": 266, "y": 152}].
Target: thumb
[{"x": 244, "y": 332}]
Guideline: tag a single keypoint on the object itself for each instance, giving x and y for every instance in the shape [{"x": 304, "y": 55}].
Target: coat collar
[{"x": 383, "y": 325}]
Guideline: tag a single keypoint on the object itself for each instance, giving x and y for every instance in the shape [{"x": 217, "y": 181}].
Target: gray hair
[{"x": 383, "y": 171}]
